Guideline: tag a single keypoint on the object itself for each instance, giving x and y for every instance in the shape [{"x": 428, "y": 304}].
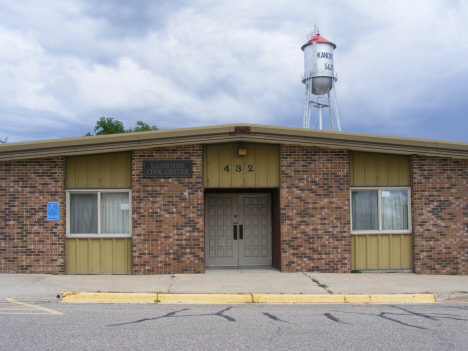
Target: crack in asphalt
[
  {"x": 276, "y": 319},
  {"x": 333, "y": 318},
  {"x": 173, "y": 314},
  {"x": 384, "y": 315},
  {"x": 276, "y": 334},
  {"x": 389, "y": 316},
  {"x": 415, "y": 313},
  {"x": 458, "y": 307}
]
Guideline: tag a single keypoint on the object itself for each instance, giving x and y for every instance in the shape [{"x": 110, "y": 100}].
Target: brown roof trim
[{"x": 226, "y": 134}]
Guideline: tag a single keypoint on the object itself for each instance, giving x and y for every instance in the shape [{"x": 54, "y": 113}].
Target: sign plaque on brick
[
  {"x": 167, "y": 169},
  {"x": 53, "y": 211}
]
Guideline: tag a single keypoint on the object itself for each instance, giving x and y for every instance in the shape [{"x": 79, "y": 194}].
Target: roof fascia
[{"x": 228, "y": 134}]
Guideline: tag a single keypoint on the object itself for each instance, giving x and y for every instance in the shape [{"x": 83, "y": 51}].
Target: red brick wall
[
  {"x": 440, "y": 215},
  {"x": 168, "y": 227},
  {"x": 315, "y": 224},
  {"x": 29, "y": 243}
]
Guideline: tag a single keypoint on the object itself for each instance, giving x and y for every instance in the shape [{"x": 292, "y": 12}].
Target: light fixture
[{"x": 242, "y": 151}]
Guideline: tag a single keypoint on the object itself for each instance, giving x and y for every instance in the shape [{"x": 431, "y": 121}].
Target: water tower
[{"x": 319, "y": 79}]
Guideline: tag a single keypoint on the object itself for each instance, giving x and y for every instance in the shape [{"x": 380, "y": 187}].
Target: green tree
[
  {"x": 143, "y": 127},
  {"x": 110, "y": 125}
]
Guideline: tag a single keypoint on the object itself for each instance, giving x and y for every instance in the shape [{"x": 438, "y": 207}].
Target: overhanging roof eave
[{"x": 226, "y": 134}]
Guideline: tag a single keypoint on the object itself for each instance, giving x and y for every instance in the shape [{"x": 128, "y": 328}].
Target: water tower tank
[{"x": 318, "y": 64}]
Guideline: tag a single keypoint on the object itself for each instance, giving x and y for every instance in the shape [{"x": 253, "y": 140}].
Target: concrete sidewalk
[{"x": 264, "y": 280}]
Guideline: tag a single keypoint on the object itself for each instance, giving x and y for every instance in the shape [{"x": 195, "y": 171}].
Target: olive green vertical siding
[
  {"x": 383, "y": 251},
  {"x": 368, "y": 169},
  {"x": 99, "y": 256},
  {"x": 99, "y": 171},
  {"x": 224, "y": 168},
  {"x": 380, "y": 251}
]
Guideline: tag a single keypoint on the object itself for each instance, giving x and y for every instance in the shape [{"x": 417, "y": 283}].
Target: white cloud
[{"x": 210, "y": 62}]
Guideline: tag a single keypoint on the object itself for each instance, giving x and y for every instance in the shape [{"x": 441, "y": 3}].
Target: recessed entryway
[{"x": 238, "y": 229}]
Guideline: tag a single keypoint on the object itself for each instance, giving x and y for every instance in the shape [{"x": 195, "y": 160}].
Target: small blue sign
[{"x": 53, "y": 211}]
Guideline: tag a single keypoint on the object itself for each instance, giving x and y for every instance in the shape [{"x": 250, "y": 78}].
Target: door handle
[
  {"x": 241, "y": 232},
  {"x": 235, "y": 231}
]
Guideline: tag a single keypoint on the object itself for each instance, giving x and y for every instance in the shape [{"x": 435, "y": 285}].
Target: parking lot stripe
[{"x": 24, "y": 308}]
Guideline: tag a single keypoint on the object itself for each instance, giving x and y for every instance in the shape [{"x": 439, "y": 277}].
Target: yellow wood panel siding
[
  {"x": 382, "y": 176},
  {"x": 371, "y": 167},
  {"x": 406, "y": 249},
  {"x": 251, "y": 179},
  {"x": 224, "y": 155},
  {"x": 106, "y": 171},
  {"x": 95, "y": 167},
  {"x": 382, "y": 251},
  {"x": 274, "y": 174},
  {"x": 358, "y": 246},
  {"x": 237, "y": 177},
  {"x": 122, "y": 175},
  {"x": 70, "y": 264},
  {"x": 372, "y": 255},
  {"x": 99, "y": 256},
  {"x": 368, "y": 169},
  {"x": 81, "y": 175},
  {"x": 405, "y": 170},
  {"x": 94, "y": 256},
  {"x": 224, "y": 168},
  {"x": 99, "y": 171},
  {"x": 108, "y": 252}
]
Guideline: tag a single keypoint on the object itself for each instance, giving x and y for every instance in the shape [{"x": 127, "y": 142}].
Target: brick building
[{"x": 177, "y": 201}]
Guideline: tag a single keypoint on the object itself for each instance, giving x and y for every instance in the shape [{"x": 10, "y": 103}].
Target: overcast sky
[{"x": 402, "y": 65}]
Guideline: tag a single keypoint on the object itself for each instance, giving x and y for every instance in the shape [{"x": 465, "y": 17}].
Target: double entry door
[{"x": 237, "y": 229}]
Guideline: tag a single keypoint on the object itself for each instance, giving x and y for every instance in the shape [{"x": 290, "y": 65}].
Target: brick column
[
  {"x": 315, "y": 223},
  {"x": 168, "y": 227},
  {"x": 440, "y": 215},
  {"x": 29, "y": 243}
]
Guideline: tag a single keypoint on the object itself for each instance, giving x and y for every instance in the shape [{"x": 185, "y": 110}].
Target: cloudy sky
[{"x": 402, "y": 65}]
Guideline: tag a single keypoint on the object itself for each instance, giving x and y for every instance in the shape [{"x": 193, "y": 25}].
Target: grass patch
[{"x": 323, "y": 286}]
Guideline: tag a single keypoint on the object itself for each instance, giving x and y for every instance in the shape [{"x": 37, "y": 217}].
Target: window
[
  {"x": 98, "y": 213},
  {"x": 380, "y": 210}
]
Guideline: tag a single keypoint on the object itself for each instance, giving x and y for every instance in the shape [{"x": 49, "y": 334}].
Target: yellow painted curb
[
  {"x": 297, "y": 298},
  {"x": 403, "y": 298},
  {"x": 109, "y": 297},
  {"x": 204, "y": 298},
  {"x": 140, "y": 298},
  {"x": 357, "y": 298},
  {"x": 390, "y": 298}
]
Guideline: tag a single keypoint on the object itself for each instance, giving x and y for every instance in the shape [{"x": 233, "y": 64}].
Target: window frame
[
  {"x": 379, "y": 211},
  {"x": 98, "y": 192}
]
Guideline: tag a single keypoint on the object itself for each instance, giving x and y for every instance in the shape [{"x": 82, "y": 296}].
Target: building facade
[{"x": 177, "y": 201}]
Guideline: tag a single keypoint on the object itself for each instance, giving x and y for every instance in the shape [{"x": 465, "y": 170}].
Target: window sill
[
  {"x": 373, "y": 232},
  {"x": 98, "y": 236}
]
